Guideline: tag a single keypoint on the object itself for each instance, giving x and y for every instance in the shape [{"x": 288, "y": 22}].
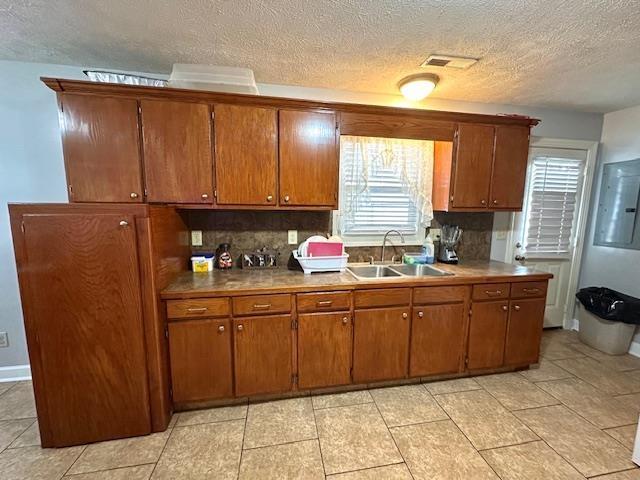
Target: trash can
[{"x": 607, "y": 319}]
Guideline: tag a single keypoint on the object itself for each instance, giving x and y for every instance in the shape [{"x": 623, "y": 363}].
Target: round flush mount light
[{"x": 417, "y": 87}]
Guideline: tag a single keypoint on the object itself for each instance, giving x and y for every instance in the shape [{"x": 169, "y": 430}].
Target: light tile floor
[{"x": 571, "y": 417}]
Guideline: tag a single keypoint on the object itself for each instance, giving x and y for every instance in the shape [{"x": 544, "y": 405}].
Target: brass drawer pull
[
  {"x": 261, "y": 306},
  {"x": 197, "y": 310},
  {"x": 494, "y": 293},
  {"x": 516, "y": 308},
  {"x": 325, "y": 303},
  {"x": 531, "y": 290}
]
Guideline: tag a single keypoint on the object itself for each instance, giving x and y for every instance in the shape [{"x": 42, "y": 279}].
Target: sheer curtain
[{"x": 386, "y": 183}]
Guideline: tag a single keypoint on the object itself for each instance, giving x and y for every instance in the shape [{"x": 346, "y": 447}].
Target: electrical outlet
[
  {"x": 292, "y": 237},
  {"x": 196, "y": 238},
  {"x": 4, "y": 339}
]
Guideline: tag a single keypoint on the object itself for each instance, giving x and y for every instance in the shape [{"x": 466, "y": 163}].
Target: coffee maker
[{"x": 449, "y": 238}]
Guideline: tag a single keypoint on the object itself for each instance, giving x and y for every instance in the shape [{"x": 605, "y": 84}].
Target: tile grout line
[
  {"x": 71, "y": 475},
  {"x": 315, "y": 422},
  {"x": 244, "y": 434},
  {"x": 164, "y": 447},
  {"x": 84, "y": 448},
  {"x": 8, "y": 447},
  {"x": 290, "y": 442},
  {"x": 369, "y": 468},
  {"x": 404, "y": 460}
]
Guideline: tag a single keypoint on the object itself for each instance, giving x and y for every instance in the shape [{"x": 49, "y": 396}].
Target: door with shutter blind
[{"x": 545, "y": 230}]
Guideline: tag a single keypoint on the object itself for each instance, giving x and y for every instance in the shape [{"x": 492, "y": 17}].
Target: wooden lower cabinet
[
  {"x": 438, "y": 339},
  {"x": 324, "y": 349},
  {"x": 524, "y": 332},
  {"x": 201, "y": 360},
  {"x": 263, "y": 354},
  {"x": 487, "y": 333},
  {"x": 381, "y": 344}
]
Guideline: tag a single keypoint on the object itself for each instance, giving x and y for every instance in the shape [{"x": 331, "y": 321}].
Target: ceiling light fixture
[{"x": 417, "y": 87}]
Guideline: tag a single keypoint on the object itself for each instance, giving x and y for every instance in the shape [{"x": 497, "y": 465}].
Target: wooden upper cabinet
[
  {"x": 472, "y": 166},
  {"x": 246, "y": 155},
  {"x": 100, "y": 139},
  {"x": 308, "y": 158},
  {"x": 509, "y": 167},
  {"x": 178, "y": 162}
]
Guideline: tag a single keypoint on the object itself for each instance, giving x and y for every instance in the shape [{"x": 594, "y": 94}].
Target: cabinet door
[
  {"x": 263, "y": 349},
  {"x": 308, "y": 159},
  {"x": 200, "y": 356},
  {"x": 100, "y": 139},
  {"x": 246, "y": 155},
  {"x": 178, "y": 163},
  {"x": 474, "y": 156},
  {"x": 509, "y": 167},
  {"x": 81, "y": 292},
  {"x": 437, "y": 339},
  {"x": 524, "y": 332},
  {"x": 487, "y": 331},
  {"x": 324, "y": 349},
  {"x": 380, "y": 344}
]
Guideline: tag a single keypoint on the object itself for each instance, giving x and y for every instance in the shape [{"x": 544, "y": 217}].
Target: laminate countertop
[{"x": 242, "y": 282}]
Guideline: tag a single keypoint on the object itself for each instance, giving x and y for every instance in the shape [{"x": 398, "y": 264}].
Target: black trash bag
[{"x": 610, "y": 305}]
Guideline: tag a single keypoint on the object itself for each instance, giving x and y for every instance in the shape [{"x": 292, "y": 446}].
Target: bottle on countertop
[
  {"x": 223, "y": 256},
  {"x": 428, "y": 250}
]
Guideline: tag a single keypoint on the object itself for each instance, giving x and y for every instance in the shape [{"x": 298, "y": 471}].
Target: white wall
[
  {"x": 615, "y": 268},
  {"x": 31, "y": 167}
]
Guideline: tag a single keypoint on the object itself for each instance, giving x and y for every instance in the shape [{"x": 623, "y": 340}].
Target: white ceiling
[{"x": 580, "y": 55}]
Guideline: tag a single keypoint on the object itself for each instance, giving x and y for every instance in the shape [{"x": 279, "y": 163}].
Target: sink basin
[
  {"x": 373, "y": 271},
  {"x": 420, "y": 270}
]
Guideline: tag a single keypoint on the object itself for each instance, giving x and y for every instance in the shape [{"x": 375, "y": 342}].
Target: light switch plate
[
  {"x": 292, "y": 237},
  {"x": 4, "y": 339},
  {"x": 196, "y": 238}
]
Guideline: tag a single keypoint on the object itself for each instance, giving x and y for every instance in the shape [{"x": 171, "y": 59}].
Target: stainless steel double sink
[{"x": 391, "y": 271}]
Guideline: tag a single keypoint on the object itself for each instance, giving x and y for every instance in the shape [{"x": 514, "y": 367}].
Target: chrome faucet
[{"x": 384, "y": 241}]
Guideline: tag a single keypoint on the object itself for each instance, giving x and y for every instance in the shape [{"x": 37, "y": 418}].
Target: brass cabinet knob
[
  {"x": 516, "y": 308},
  {"x": 345, "y": 320},
  {"x": 495, "y": 202},
  {"x": 269, "y": 198},
  {"x": 483, "y": 202},
  {"x": 505, "y": 308},
  {"x": 204, "y": 196},
  {"x": 420, "y": 314},
  {"x": 240, "y": 328},
  {"x": 124, "y": 223},
  {"x": 133, "y": 195},
  {"x": 404, "y": 315},
  {"x": 221, "y": 328},
  {"x": 286, "y": 198}
]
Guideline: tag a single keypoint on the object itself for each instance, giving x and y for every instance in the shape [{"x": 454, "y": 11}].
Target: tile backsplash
[{"x": 250, "y": 230}]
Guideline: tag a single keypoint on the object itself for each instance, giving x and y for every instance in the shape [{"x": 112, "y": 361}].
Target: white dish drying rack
[{"x": 311, "y": 265}]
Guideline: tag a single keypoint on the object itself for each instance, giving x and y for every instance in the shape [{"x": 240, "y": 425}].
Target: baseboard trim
[
  {"x": 575, "y": 325},
  {"x": 634, "y": 349},
  {"x": 15, "y": 373}
]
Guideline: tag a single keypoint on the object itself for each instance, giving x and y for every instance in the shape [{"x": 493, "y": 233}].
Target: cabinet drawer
[
  {"x": 435, "y": 295},
  {"x": 261, "y": 304},
  {"x": 382, "y": 297},
  {"x": 198, "y": 307},
  {"x": 323, "y": 301},
  {"x": 528, "y": 289},
  {"x": 490, "y": 291}
]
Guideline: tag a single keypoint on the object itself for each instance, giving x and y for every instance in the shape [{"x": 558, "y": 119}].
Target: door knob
[
  {"x": 133, "y": 195},
  {"x": 345, "y": 320},
  {"x": 269, "y": 198},
  {"x": 286, "y": 198},
  {"x": 221, "y": 328},
  {"x": 420, "y": 314},
  {"x": 204, "y": 196},
  {"x": 240, "y": 328}
]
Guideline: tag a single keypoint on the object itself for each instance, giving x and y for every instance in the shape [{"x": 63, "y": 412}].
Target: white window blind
[
  {"x": 553, "y": 192},
  {"x": 383, "y": 188}
]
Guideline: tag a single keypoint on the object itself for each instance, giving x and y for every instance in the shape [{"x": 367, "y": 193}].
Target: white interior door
[{"x": 545, "y": 230}]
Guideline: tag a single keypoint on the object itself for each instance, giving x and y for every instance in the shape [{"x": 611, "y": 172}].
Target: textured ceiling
[{"x": 582, "y": 55}]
